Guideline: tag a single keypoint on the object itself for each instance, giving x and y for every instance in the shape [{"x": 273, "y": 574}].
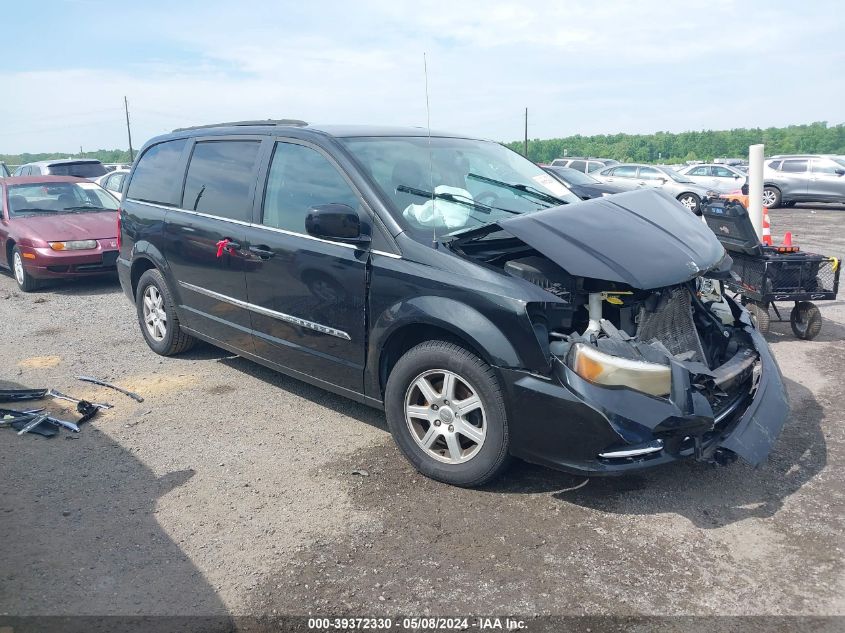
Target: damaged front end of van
[{"x": 649, "y": 360}]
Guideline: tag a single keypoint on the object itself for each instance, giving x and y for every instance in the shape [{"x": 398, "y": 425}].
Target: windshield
[
  {"x": 80, "y": 170},
  {"x": 674, "y": 175},
  {"x": 573, "y": 176},
  {"x": 455, "y": 185},
  {"x": 56, "y": 198}
]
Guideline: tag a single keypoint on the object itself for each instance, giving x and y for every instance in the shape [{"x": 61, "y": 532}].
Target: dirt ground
[{"x": 232, "y": 490}]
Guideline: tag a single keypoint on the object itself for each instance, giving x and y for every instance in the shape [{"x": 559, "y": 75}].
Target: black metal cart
[{"x": 764, "y": 275}]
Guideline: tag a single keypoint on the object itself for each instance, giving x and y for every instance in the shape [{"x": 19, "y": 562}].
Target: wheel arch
[
  {"x": 140, "y": 265},
  {"x": 10, "y": 246},
  {"x": 402, "y": 327}
]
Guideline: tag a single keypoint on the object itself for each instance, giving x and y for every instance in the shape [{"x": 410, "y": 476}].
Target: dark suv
[{"x": 457, "y": 286}]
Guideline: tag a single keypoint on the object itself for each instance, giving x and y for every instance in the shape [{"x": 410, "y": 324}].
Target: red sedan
[{"x": 56, "y": 226}]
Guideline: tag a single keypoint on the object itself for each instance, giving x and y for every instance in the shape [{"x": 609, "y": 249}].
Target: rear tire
[
  {"x": 26, "y": 282},
  {"x": 759, "y": 316},
  {"x": 468, "y": 448},
  {"x": 157, "y": 316},
  {"x": 771, "y": 197},
  {"x": 806, "y": 320}
]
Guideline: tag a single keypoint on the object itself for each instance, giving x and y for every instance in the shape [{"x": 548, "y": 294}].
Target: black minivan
[{"x": 456, "y": 285}]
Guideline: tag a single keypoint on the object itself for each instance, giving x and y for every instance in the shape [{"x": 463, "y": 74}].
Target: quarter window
[
  {"x": 301, "y": 178},
  {"x": 157, "y": 177},
  {"x": 221, "y": 179}
]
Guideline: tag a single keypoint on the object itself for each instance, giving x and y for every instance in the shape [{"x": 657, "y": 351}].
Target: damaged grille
[{"x": 671, "y": 324}]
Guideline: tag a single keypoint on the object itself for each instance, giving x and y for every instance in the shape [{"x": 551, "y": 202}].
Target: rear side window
[
  {"x": 794, "y": 166},
  {"x": 80, "y": 170},
  {"x": 594, "y": 166},
  {"x": 580, "y": 165},
  {"x": 301, "y": 178},
  {"x": 221, "y": 179},
  {"x": 157, "y": 177},
  {"x": 699, "y": 171}
]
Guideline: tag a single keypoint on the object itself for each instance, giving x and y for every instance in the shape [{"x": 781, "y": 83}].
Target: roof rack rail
[{"x": 289, "y": 122}]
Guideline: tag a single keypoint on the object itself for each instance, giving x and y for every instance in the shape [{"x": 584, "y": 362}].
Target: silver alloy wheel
[
  {"x": 155, "y": 318},
  {"x": 689, "y": 202},
  {"x": 445, "y": 416},
  {"x": 18, "y": 265},
  {"x": 769, "y": 197}
]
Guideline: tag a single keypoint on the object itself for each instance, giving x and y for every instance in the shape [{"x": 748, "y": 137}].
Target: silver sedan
[
  {"x": 722, "y": 178},
  {"x": 684, "y": 190}
]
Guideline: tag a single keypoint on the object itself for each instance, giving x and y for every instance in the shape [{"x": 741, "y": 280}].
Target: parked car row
[
  {"x": 683, "y": 189},
  {"x": 788, "y": 179}
]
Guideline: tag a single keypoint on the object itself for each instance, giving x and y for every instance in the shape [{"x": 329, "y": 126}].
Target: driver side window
[
  {"x": 649, "y": 173},
  {"x": 301, "y": 178}
]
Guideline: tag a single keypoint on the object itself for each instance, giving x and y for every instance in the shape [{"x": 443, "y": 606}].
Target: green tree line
[
  {"x": 666, "y": 147},
  {"x": 103, "y": 155}
]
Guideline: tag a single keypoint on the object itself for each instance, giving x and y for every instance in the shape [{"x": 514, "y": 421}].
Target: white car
[
  {"x": 721, "y": 178},
  {"x": 113, "y": 182}
]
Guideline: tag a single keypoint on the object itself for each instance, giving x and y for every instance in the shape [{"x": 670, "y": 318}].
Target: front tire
[
  {"x": 157, "y": 316},
  {"x": 446, "y": 412},
  {"x": 26, "y": 282},
  {"x": 690, "y": 201}
]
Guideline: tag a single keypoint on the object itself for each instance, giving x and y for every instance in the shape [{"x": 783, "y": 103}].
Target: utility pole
[
  {"x": 525, "y": 145},
  {"x": 128, "y": 130}
]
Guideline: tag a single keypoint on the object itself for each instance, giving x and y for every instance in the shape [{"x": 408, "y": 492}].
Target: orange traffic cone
[
  {"x": 787, "y": 238},
  {"x": 767, "y": 228}
]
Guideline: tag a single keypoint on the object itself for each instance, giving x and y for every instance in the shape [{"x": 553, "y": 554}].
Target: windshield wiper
[
  {"x": 525, "y": 189},
  {"x": 450, "y": 197},
  {"x": 32, "y": 210},
  {"x": 87, "y": 208}
]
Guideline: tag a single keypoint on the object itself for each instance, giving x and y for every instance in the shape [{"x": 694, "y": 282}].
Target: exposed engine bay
[{"x": 615, "y": 335}]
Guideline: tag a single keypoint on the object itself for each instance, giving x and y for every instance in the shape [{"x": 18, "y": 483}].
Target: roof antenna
[{"x": 430, "y": 160}]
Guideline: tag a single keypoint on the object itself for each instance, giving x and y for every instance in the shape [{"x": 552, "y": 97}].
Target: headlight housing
[
  {"x": 605, "y": 369},
  {"x": 73, "y": 245}
]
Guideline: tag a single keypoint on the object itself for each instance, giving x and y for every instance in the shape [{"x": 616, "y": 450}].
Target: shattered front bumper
[{"x": 570, "y": 424}]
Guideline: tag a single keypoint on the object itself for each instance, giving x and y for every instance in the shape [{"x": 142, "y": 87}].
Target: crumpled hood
[
  {"x": 69, "y": 226},
  {"x": 643, "y": 238}
]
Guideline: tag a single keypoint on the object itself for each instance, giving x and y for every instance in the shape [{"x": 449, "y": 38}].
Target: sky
[{"x": 580, "y": 67}]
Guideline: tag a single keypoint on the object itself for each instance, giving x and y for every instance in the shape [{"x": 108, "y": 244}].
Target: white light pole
[{"x": 755, "y": 188}]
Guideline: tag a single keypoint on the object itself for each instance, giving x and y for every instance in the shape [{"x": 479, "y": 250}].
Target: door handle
[{"x": 263, "y": 251}]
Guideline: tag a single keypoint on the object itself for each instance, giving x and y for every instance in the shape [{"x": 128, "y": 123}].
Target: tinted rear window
[
  {"x": 155, "y": 178},
  {"x": 80, "y": 170},
  {"x": 221, "y": 179}
]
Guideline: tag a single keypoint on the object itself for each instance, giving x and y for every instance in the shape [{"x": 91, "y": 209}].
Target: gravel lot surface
[{"x": 231, "y": 490}]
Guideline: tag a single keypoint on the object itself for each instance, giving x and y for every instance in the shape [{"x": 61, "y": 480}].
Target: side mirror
[
  {"x": 338, "y": 222},
  {"x": 839, "y": 172},
  {"x": 663, "y": 181},
  {"x": 736, "y": 176}
]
